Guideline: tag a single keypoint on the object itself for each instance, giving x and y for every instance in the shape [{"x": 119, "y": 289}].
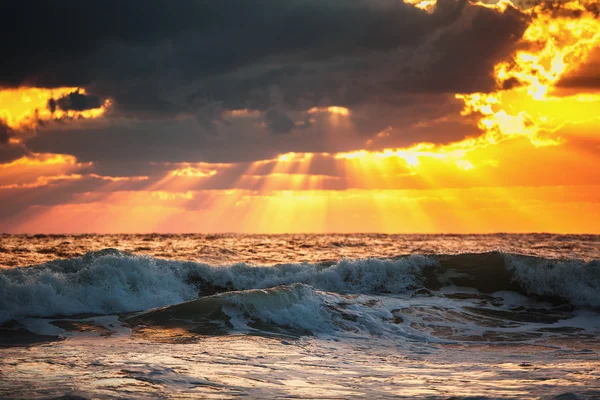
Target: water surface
[{"x": 308, "y": 316}]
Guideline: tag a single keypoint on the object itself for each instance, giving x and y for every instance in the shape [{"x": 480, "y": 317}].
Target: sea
[{"x": 499, "y": 316}]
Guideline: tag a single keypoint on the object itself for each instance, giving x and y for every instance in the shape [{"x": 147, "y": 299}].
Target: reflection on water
[
  {"x": 19, "y": 250},
  {"x": 306, "y": 368},
  {"x": 490, "y": 325},
  {"x": 426, "y": 345}
]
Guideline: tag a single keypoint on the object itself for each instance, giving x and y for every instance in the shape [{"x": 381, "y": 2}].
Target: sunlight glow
[
  {"x": 427, "y": 5},
  {"x": 193, "y": 172},
  {"x": 334, "y": 110},
  {"x": 555, "y": 45},
  {"x": 413, "y": 154},
  {"x": 24, "y": 108},
  {"x": 536, "y": 154},
  {"x": 44, "y": 159}
]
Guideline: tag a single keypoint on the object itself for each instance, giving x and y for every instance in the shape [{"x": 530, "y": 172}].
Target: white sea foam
[
  {"x": 111, "y": 282},
  {"x": 574, "y": 280},
  {"x": 114, "y": 282},
  {"x": 296, "y": 306},
  {"x": 103, "y": 285},
  {"x": 348, "y": 276}
]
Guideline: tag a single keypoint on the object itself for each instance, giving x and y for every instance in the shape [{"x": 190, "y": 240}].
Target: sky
[{"x": 312, "y": 116}]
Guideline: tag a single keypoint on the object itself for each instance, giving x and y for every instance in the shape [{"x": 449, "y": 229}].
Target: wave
[
  {"x": 299, "y": 309},
  {"x": 296, "y": 309},
  {"x": 111, "y": 282}
]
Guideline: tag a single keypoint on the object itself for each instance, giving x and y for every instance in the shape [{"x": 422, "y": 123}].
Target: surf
[{"x": 111, "y": 282}]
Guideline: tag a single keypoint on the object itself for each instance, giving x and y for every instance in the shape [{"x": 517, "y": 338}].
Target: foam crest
[
  {"x": 349, "y": 276},
  {"x": 102, "y": 284},
  {"x": 109, "y": 282},
  {"x": 296, "y": 306},
  {"x": 574, "y": 280}
]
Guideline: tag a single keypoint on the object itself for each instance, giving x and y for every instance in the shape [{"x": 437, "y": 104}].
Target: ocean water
[{"x": 300, "y": 316}]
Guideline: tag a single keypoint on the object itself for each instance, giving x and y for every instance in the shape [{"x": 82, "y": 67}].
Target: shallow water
[{"x": 307, "y": 316}]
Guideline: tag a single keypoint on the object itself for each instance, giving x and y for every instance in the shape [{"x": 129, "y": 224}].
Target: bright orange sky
[{"x": 529, "y": 163}]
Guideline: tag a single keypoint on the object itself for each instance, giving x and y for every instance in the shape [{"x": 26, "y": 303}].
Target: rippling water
[
  {"x": 20, "y": 250},
  {"x": 309, "y": 316}
]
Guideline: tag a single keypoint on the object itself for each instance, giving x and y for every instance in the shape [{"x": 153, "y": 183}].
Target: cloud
[
  {"x": 209, "y": 35},
  {"x": 166, "y": 60},
  {"x": 5, "y": 133},
  {"x": 586, "y": 76},
  {"x": 278, "y": 121},
  {"x": 176, "y": 73},
  {"x": 60, "y": 190},
  {"x": 121, "y": 145},
  {"x": 75, "y": 101},
  {"x": 9, "y": 151}
]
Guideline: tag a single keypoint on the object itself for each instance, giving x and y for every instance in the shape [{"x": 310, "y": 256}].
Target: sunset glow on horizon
[{"x": 522, "y": 157}]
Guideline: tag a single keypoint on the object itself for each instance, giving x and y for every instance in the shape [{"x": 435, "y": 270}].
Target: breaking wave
[
  {"x": 292, "y": 309},
  {"x": 111, "y": 282}
]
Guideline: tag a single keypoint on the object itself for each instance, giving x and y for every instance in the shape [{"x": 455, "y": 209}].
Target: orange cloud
[
  {"x": 427, "y": 5},
  {"x": 533, "y": 167},
  {"x": 334, "y": 110},
  {"x": 24, "y": 108},
  {"x": 193, "y": 172},
  {"x": 38, "y": 167},
  {"x": 42, "y": 181},
  {"x": 42, "y": 159},
  {"x": 554, "y": 45}
]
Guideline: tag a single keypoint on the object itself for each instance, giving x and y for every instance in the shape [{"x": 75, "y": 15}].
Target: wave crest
[{"x": 110, "y": 281}]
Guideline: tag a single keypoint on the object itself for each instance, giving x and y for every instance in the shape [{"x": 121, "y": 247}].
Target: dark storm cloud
[
  {"x": 467, "y": 56},
  {"x": 168, "y": 141},
  {"x": 278, "y": 121},
  {"x": 125, "y": 147},
  {"x": 457, "y": 55},
  {"x": 174, "y": 69},
  {"x": 9, "y": 151},
  {"x": 75, "y": 101},
  {"x": 57, "y": 41},
  {"x": 276, "y": 118},
  {"x": 5, "y": 133},
  {"x": 146, "y": 55}
]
